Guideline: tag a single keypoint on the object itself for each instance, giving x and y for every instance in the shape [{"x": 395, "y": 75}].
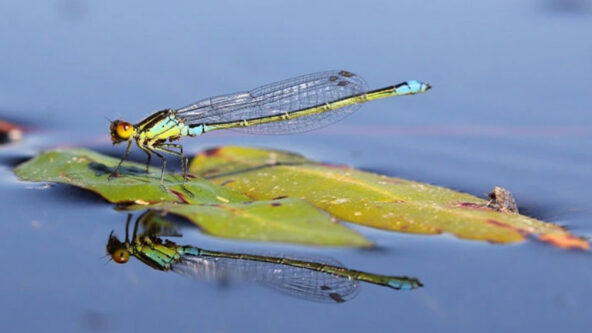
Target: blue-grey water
[{"x": 510, "y": 106}]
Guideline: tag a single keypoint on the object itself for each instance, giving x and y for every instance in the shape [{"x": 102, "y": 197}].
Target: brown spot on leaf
[
  {"x": 471, "y": 205},
  {"x": 209, "y": 173},
  {"x": 325, "y": 288},
  {"x": 346, "y": 73},
  {"x": 211, "y": 151},
  {"x": 275, "y": 204},
  {"x": 498, "y": 223},
  {"x": 180, "y": 196},
  {"x": 507, "y": 226},
  {"x": 280, "y": 197}
]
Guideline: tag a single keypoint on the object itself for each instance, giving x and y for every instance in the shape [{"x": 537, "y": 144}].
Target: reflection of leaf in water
[
  {"x": 319, "y": 280},
  {"x": 370, "y": 199}
]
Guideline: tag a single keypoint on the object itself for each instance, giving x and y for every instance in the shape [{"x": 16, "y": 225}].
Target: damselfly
[
  {"x": 294, "y": 105},
  {"x": 325, "y": 281}
]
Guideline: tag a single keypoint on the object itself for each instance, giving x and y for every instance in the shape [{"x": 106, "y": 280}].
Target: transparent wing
[
  {"x": 279, "y": 98},
  {"x": 295, "y": 281}
]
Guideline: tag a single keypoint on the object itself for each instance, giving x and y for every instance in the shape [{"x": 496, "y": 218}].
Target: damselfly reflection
[{"x": 320, "y": 280}]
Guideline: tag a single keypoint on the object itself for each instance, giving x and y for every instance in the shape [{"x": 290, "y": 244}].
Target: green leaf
[
  {"x": 286, "y": 220},
  {"x": 370, "y": 199},
  {"x": 89, "y": 170},
  {"x": 217, "y": 210}
]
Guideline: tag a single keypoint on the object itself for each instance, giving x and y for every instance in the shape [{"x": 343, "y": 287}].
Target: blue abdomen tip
[
  {"x": 412, "y": 87},
  {"x": 400, "y": 285}
]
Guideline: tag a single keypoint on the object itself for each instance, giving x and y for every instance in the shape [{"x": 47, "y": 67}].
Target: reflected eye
[{"x": 120, "y": 256}]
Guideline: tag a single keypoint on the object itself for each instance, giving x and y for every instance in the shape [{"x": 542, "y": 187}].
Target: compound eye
[
  {"x": 124, "y": 130},
  {"x": 120, "y": 256}
]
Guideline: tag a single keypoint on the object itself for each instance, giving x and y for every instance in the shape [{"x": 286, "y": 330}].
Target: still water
[{"x": 509, "y": 106}]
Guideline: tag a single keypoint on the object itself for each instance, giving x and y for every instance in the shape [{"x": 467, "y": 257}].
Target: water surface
[{"x": 510, "y": 107}]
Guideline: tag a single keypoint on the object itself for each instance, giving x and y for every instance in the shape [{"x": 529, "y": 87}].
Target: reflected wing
[
  {"x": 280, "y": 98},
  {"x": 295, "y": 281}
]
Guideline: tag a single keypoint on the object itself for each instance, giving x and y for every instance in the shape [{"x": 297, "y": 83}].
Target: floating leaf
[
  {"x": 286, "y": 220},
  {"x": 89, "y": 170},
  {"x": 217, "y": 210},
  {"x": 370, "y": 199}
]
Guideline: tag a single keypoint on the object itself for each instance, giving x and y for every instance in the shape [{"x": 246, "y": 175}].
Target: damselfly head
[
  {"x": 120, "y": 256},
  {"x": 120, "y": 131},
  {"x": 117, "y": 250}
]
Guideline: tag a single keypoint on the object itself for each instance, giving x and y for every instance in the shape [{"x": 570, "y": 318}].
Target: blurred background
[{"x": 510, "y": 106}]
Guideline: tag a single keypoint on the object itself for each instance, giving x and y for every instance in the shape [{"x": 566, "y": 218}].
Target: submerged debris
[
  {"x": 9, "y": 132},
  {"x": 502, "y": 200}
]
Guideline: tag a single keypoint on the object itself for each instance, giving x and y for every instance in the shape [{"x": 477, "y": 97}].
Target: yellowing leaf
[{"x": 370, "y": 199}]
